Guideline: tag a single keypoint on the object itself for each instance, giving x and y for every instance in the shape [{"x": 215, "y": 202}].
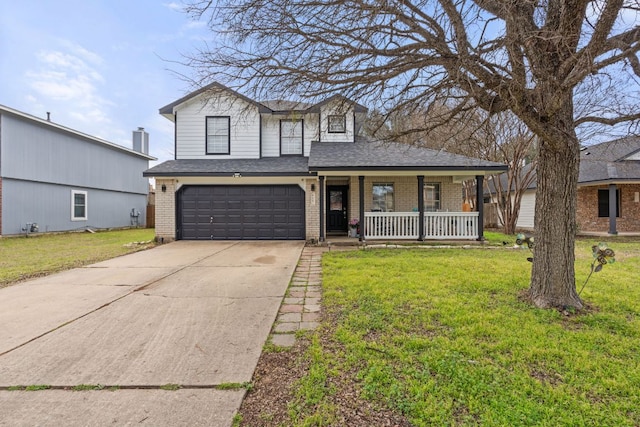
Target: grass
[
  {"x": 441, "y": 337},
  {"x": 22, "y": 258}
]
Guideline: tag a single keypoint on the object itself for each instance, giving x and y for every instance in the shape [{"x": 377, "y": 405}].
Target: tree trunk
[{"x": 553, "y": 274}]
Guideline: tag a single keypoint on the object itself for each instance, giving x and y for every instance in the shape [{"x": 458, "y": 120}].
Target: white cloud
[
  {"x": 195, "y": 25},
  {"x": 173, "y": 6},
  {"x": 69, "y": 77}
]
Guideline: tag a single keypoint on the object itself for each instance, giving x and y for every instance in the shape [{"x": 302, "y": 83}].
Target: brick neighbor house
[{"x": 608, "y": 189}]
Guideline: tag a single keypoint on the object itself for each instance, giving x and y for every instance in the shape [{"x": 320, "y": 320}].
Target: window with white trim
[
  {"x": 432, "y": 197},
  {"x": 337, "y": 123},
  {"x": 383, "y": 197},
  {"x": 291, "y": 135},
  {"x": 218, "y": 135},
  {"x": 79, "y": 205}
]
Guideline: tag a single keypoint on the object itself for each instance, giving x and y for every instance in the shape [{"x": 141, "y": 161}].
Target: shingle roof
[
  {"x": 386, "y": 156},
  {"x": 211, "y": 88},
  {"x": 284, "y": 105},
  {"x": 605, "y": 161},
  {"x": 268, "y": 166}
]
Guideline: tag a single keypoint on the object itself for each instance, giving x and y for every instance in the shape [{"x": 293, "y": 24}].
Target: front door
[{"x": 337, "y": 196}]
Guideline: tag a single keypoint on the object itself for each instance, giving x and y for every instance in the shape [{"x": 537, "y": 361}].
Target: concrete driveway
[{"x": 196, "y": 314}]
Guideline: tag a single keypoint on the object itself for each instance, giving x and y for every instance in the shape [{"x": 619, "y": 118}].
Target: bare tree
[
  {"x": 529, "y": 57},
  {"x": 512, "y": 143}
]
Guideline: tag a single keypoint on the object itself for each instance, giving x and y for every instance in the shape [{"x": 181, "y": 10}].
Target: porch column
[
  {"x": 421, "y": 207},
  {"x": 322, "y": 207},
  {"x": 361, "y": 206},
  {"x": 480, "y": 206},
  {"x": 613, "y": 209}
]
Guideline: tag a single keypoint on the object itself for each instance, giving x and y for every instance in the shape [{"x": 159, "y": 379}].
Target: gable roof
[
  {"x": 339, "y": 98},
  {"x": 381, "y": 156},
  {"x": 272, "y": 106},
  {"x": 168, "y": 109},
  {"x": 607, "y": 161},
  {"x": 73, "y": 132}
]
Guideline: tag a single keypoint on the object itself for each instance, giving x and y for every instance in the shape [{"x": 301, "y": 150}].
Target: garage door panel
[{"x": 241, "y": 212}]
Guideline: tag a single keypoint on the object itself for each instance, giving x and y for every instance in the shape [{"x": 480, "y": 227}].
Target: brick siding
[
  {"x": 405, "y": 190},
  {"x": 312, "y": 209},
  {"x": 166, "y": 210},
  {"x": 587, "y": 209}
]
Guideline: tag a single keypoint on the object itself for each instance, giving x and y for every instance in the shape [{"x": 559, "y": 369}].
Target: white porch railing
[{"x": 437, "y": 225}]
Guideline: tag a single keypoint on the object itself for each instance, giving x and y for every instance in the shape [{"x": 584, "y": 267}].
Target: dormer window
[
  {"x": 218, "y": 135},
  {"x": 291, "y": 135},
  {"x": 337, "y": 123}
]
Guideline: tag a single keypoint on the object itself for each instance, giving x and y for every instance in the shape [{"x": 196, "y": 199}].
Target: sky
[{"x": 101, "y": 67}]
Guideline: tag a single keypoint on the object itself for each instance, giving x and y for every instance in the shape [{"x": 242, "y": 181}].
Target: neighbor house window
[
  {"x": 603, "y": 203},
  {"x": 291, "y": 137},
  {"x": 337, "y": 123},
  {"x": 78, "y": 205},
  {"x": 218, "y": 135},
  {"x": 382, "y": 198},
  {"x": 432, "y": 197}
]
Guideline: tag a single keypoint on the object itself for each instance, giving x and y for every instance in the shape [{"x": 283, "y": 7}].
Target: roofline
[
  {"x": 608, "y": 181},
  {"x": 91, "y": 138},
  {"x": 408, "y": 168},
  {"x": 226, "y": 174},
  {"x": 168, "y": 109},
  {"x": 358, "y": 108}
]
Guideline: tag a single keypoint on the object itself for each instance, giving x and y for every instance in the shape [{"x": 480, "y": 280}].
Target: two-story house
[
  {"x": 54, "y": 178},
  {"x": 245, "y": 169}
]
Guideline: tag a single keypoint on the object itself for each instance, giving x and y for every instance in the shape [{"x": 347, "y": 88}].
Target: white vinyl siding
[
  {"x": 244, "y": 128},
  {"x": 291, "y": 134},
  {"x": 527, "y": 210},
  {"x": 271, "y": 133},
  {"x": 336, "y": 109}
]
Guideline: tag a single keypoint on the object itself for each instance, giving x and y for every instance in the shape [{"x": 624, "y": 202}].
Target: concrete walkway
[{"x": 195, "y": 314}]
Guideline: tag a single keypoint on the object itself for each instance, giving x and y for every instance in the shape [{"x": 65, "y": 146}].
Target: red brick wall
[{"x": 587, "y": 209}]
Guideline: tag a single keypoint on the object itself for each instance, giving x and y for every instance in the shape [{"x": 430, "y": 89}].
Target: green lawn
[
  {"x": 441, "y": 336},
  {"x": 37, "y": 255}
]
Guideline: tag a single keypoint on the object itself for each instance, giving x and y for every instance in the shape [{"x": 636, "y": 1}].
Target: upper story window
[
  {"x": 337, "y": 123},
  {"x": 218, "y": 135},
  {"x": 78, "y": 205},
  {"x": 382, "y": 197},
  {"x": 432, "y": 197},
  {"x": 291, "y": 135}
]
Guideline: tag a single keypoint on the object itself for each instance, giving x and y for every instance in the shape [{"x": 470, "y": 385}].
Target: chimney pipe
[{"x": 48, "y": 116}]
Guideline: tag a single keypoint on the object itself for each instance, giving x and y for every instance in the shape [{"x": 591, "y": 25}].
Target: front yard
[
  {"x": 441, "y": 337},
  {"x": 22, "y": 258}
]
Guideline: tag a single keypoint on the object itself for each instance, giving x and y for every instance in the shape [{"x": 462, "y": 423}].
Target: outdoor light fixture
[
  {"x": 237, "y": 175},
  {"x": 164, "y": 188},
  {"x": 313, "y": 187}
]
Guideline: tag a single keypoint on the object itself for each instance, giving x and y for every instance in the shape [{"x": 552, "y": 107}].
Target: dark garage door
[{"x": 241, "y": 212}]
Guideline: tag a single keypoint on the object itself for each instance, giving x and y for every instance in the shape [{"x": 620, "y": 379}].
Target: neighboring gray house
[
  {"x": 245, "y": 169},
  {"x": 62, "y": 179}
]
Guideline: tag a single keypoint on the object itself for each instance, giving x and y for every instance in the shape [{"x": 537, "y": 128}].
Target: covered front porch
[
  {"x": 392, "y": 191},
  {"x": 397, "y": 207}
]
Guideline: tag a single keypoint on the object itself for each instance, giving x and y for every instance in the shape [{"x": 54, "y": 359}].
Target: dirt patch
[{"x": 274, "y": 381}]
